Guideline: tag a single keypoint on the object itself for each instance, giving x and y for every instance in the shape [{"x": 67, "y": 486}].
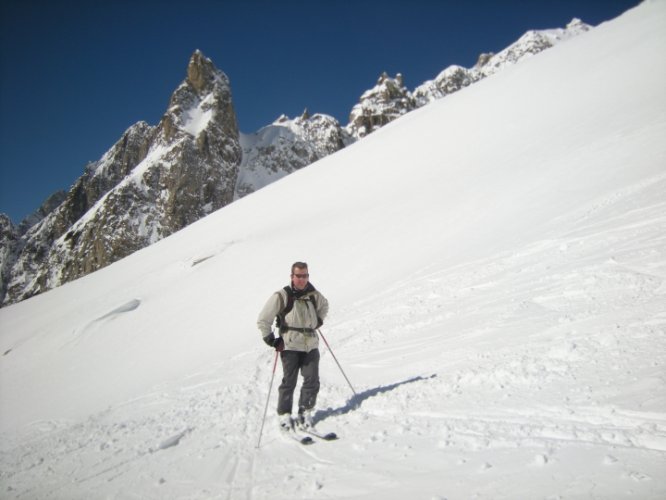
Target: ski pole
[
  {"x": 270, "y": 387},
  {"x": 336, "y": 360}
]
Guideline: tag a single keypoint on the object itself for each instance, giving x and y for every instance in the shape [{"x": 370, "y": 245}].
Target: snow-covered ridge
[
  {"x": 285, "y": 146},
  {"x": 389, "y": 99},
  {"x": 531, "y": 43},
  {"x": 456, "y": 77}
]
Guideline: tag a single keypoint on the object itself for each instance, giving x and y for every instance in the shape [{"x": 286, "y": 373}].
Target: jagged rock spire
[
  {"x": 153, "y": 182},
  {"x": 201, "y": 73}
]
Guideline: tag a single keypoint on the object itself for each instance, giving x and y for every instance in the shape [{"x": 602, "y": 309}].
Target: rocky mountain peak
[
  {"x": 386, "y": 101},
  {"x": 576, "y": 26},
  {"x": 483, "y": 59},
  {"x": 201, "y": 73},
  {"x": 153, "y": 182},
  {"x": 203, "y": 101},
  {"x": 451, "y": 80}
]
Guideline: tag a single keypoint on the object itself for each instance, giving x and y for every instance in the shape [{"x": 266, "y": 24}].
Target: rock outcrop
[
  {"x": 286, "y": 146},
  {"x": 387, "y": 100}
]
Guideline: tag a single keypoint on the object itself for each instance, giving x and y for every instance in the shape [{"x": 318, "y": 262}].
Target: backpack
[{"x": 279, "y": 319}]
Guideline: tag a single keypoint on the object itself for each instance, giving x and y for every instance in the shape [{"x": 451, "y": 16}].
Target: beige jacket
[{"x": 302, "y": 315}]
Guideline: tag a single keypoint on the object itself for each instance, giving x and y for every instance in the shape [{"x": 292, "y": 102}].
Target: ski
[
  {"x": 329, "y": 436},
  {"x": 293, "y": 433},
  {"x": 302, "y": 439},
  {"x": 296, "y": 437}
]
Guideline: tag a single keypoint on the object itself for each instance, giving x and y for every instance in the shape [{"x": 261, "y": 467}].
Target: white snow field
[{"x": 496, "y": 268}]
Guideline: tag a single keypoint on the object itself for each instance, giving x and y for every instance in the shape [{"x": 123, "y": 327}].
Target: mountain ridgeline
[{"x": 155, "y": 180}]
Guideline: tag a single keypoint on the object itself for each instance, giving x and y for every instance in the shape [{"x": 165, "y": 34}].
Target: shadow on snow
[{"x": 357, "y": 399}]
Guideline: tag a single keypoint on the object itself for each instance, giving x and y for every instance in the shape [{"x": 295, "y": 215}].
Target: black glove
[
  {"x": 319, "y": 321},
  {"x": 269, "y": 339},
  {"x": 277, "y": 343}
]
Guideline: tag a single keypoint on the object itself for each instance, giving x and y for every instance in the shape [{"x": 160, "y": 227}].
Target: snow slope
[{"x": 496, "y": 266}]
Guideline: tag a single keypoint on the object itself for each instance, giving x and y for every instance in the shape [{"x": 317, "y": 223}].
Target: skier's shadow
[{"x": 354, "y": 403}]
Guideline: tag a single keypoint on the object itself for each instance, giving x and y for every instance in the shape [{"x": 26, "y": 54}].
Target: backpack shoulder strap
[
  {"x": 286, "y": 307},
  {"x": 290, "y": 301}
]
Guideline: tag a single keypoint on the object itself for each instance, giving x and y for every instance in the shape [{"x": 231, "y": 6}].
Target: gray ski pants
[{"x": 308, "y": 364}]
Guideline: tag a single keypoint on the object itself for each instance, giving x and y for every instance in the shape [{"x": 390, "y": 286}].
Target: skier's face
[{"x": 300, "y": 278}]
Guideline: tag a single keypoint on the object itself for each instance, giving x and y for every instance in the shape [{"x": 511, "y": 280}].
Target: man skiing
[{"x": 298, "y": 309}]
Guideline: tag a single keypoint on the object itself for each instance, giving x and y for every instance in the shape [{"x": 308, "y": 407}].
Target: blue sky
[{"x": 74, "y": 75}]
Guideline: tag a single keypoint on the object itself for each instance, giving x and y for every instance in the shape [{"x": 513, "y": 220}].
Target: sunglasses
[{"x": 301, "y": 276}]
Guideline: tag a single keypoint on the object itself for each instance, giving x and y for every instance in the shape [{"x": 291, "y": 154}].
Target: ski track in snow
[{"x": 476, "y": 406}]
